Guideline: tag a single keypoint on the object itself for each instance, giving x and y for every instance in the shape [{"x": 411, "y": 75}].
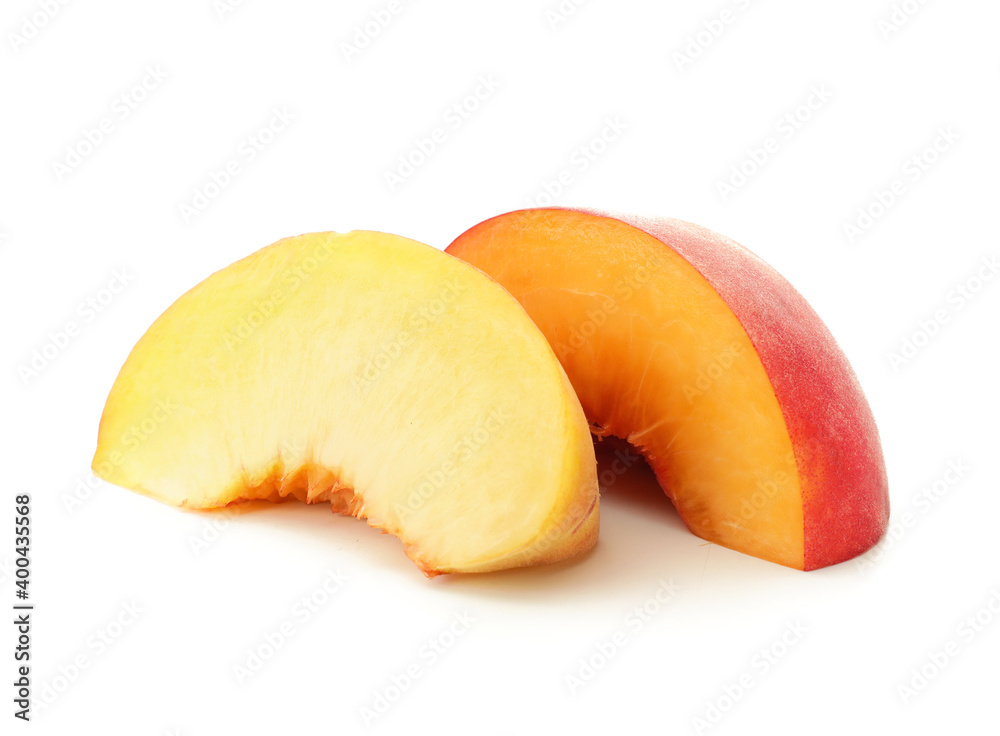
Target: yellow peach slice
[{"x": 372, "y": 372}]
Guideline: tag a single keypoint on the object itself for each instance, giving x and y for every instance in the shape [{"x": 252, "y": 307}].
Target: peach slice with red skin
[{"x": 709, "y": 362}]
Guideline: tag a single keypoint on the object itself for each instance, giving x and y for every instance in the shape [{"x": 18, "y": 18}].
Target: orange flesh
[{"x": 658, "y": 359}]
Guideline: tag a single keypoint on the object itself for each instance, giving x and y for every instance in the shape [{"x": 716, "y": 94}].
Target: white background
[{"x": 96, "y": 547}]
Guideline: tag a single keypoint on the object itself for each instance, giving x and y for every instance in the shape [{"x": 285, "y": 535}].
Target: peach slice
[
  {"x": 704, "y": 358},
  {"x": 372, "y": 372}
]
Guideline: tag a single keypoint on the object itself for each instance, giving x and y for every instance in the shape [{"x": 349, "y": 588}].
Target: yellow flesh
[
  {"x": 370, "y": 371},
  {"x": 657, "y": 358}
]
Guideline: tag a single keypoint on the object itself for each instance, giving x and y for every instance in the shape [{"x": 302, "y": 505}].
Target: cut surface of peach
[
  {"x": 372, "y": 372},
  {"x": 700, "y": 355}
]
